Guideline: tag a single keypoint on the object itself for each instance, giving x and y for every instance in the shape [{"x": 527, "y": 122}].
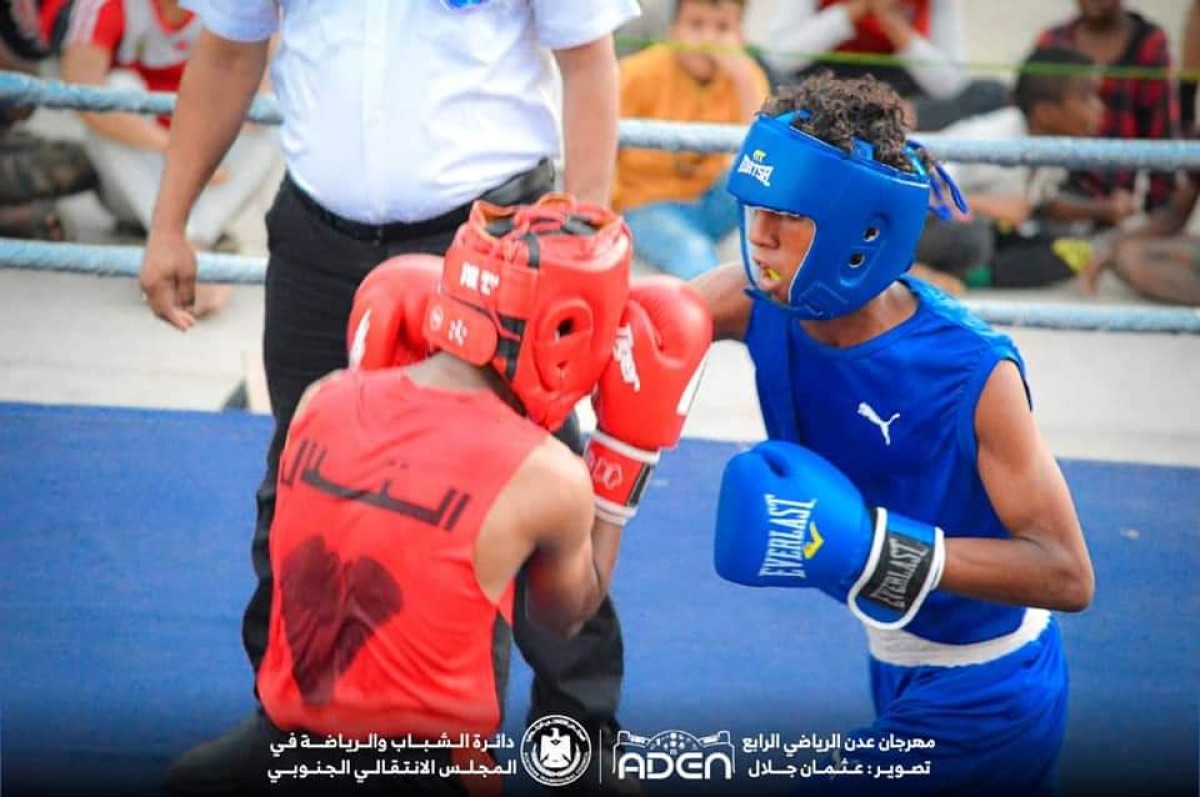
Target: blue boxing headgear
[{"x": 868, "y": 215}]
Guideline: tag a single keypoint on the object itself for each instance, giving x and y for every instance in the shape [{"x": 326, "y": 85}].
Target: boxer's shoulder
[
  {"x": 551, "y": 491},
  {"x": 322, "y": 387}
]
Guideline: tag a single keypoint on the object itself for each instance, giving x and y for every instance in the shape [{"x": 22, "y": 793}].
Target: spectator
[
  {"x": 33, "y": 171},
  {"x": 675, "y": 202},
  {"x": 1155, "y": 259},
  {"x": 919, "y": 42},
  {"x": 1137, "y": 106},
  {"x": 1190, "y": 67},
  {"x": 144, "y": 44},
  {"x": 1006, "y": 241},
  {"x": 33, "y": 30}
]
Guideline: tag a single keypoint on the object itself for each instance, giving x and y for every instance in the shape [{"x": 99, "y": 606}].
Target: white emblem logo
[
  {"x": 868, "y": 412},
  {"x": 469, "y": 276},
  {"x": 759, "y": 171},
  {"x": 556, "y": 750},
  {"x": 623, "y": 352},
  {"x": 477, "y": 279},
  {"x": 458, "y": 331},
  {"x": 604, "y": 471},
  {"x": 488, "y": 281},
  {"x": 673, "y": 754}
]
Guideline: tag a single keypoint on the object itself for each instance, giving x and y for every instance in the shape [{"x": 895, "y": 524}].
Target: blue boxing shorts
[{"x": 989, "y": 728}]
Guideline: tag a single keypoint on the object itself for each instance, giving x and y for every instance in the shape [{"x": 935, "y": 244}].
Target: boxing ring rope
[
  {"x": 121, "y": 261},
  {"x": 1073, "y": 153},
  {"x": 23, "y": 90},
  {"x": 1077, "y": 153}
]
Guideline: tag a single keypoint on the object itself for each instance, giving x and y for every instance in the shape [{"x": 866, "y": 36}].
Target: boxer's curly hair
[{"x": 841, "y": 109}]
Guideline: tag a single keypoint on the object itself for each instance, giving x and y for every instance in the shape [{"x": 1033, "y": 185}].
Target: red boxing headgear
[{"x": 537, "y": 291}]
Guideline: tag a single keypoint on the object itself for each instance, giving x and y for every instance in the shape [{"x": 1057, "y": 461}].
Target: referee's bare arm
[
  {"x": 219, "y": 83},
  {"x": 591, "y": 110}
]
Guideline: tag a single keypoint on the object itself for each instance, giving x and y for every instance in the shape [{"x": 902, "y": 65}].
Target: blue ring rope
[
  {"x": 1083, "y": 153},
  {"x": 126, "y": 261}
]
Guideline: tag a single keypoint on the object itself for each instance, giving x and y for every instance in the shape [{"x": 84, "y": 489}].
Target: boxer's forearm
[
  {"x": 1020, "y": 571},
  {"x": 218, "y": 86},
  {"x": 606, "y": 541}
]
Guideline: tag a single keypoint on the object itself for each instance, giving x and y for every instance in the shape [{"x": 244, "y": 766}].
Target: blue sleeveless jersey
[{"x": 896, "y": 414}]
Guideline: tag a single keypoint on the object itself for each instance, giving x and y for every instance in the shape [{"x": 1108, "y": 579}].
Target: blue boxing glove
[{"x": 788, "y": 518}]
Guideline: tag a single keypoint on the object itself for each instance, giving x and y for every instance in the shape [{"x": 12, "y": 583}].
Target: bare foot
[{"x": 210, "y": 298}]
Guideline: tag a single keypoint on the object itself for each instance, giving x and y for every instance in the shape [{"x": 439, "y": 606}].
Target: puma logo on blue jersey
[{"x": 868, "y": 412}]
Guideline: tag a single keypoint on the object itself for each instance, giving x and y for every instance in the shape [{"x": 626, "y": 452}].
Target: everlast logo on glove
[
  {"x": 788, "y": 543},
  {"x": 903, "y": 565},
  {"x": 773, "y": 498}
]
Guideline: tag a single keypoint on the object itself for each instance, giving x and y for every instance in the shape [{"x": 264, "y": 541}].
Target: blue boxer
[{"x": 904, "y": 475}]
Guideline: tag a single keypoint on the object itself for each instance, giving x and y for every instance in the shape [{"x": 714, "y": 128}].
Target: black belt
[{"x": 524, "y": 187}]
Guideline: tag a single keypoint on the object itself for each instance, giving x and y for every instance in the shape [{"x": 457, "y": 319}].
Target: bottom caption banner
[{"x": 557, "y": 751}]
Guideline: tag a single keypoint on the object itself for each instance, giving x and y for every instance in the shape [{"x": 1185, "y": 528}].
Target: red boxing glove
[
  {"x": 389, "y": 312},
  {"x": 644, "y": 394}
]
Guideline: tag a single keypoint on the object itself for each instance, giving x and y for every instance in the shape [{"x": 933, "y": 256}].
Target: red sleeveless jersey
[
  {"x": 868, "y": 36},
  {"x": 378, "y": 622}
]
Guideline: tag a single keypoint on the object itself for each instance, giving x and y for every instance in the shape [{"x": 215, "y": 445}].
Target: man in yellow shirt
[{"x": 675, "y": 202}]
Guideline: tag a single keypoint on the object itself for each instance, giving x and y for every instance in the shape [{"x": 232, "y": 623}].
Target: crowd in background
[{"x": 1107, "y": 70}]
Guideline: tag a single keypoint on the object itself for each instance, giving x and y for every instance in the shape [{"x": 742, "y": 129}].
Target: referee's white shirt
[{"x": 400, "y": 110}]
